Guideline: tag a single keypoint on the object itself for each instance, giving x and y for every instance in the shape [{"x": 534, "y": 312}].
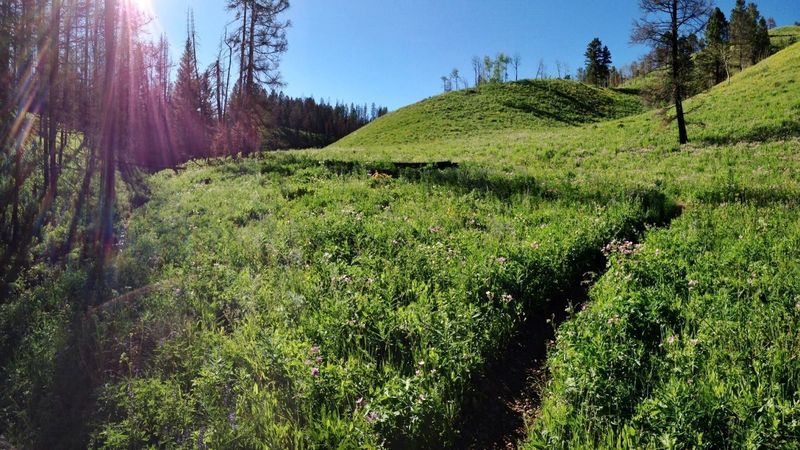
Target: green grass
[
  {"x": 784, "y": 36},
  {"x": 690, "y": 342},
  {"x": 760, "y": 104},
  {"x": 523, "y": 105},
  {"x": 403, "y": 288},
  {"x": 310, "y": 300}
]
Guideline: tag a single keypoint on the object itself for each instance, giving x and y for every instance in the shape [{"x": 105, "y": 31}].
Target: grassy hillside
[
  {"x": 759, "y": 104},
  {"x": 326, "y": 299},
  {"x": 784, "y": 36},
  {"x": 530, "y": 104},
  {"x": 689, "y": 342}
]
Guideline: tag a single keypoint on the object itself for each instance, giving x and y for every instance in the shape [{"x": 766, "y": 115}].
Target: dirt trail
[{"x": 509, "y": 393}]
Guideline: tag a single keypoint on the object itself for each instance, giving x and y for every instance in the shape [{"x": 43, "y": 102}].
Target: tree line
[
  {"x": 86, "y": 92},
  {"x": 306, "y": 122},
  {"x": 710, "y": 52},
  {"x": 498, "y": 69}
]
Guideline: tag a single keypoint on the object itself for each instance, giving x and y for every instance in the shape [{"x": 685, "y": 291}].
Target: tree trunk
[
  {"x": 683, "y": 137},
  {"x": 242, "y": 45},
  {"x": 251, "y": 65},
  {"x": 105, "y": 232}
]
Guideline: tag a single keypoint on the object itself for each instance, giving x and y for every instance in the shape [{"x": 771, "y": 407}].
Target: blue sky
[{"x": 393, "y": 52}]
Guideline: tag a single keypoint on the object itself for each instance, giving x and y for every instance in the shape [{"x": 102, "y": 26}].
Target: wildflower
[
  {"x": 672, "y": 339},
  {"x": 314, "y": 371},
  {"x": 501, "y": 260},
  {"x": 693, "y": 284},
  {"x": 327, "y": 255},
  {"x": 319, "y": 359},
  {"x": 507, "y": 298},
  {"x": 613, "y": 320},
  {"x": 535, "y": 246},
  {"x": 315, "y": 349},
  {"x": 436, "y": 229},
  {"x": 694, "y": 341},
  {"x": 422, "y": 363},
  {"x": 422, "y": 397},
  {"x": 343, "y": 279},
  {"x": 490, "y": 295},
  {"x": 372, "y": 416},
  {"x": 418, "y": 372}
]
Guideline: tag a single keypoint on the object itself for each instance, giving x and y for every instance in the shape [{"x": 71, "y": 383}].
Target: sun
[{"x": 145, "y": 6}]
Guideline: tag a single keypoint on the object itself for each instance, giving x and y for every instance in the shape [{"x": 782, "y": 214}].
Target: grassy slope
[
  {"x": 254, "y": 264},
  {"x": 691, "y": 341},
  {"x": 256, "y": 277},
  {"x": 759, "y": 104},
  {"x": 530, "y": 104},
  {"x": 784, "y": 36},
  {"x": 402, "y": 287}
]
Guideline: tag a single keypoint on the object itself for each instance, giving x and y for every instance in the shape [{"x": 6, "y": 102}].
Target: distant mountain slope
[{"x": 509, "y": 106}]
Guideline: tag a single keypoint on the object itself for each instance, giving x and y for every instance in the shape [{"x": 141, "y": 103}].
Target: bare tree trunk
[
  {"x": 105, "y": 233},
  {"x": 676, "y": 78},
  {"x": 52, "y": 108},
  {"x": 251, "y": 66},
  {"x": 242, "y": 62}
]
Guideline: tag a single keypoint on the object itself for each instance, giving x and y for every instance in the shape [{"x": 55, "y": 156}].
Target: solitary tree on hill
[
  {"x": 666, "y": 25},
  {"x": 598, "y": 62}
]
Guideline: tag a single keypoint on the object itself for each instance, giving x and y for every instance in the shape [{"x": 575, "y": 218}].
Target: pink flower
[
  {"x": 436, "y": 229},
  {"x": 372, "y": 416},
  {"x": 315, "y": 350},
  {"x": 314, "y": 371}
]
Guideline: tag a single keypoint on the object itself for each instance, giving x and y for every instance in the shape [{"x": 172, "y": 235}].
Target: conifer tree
[
  {"x": 742, "y": 29},
  {"x": 190, "y": 99},
  {"x": 715, "y": 58},
  {"x": 598, "y": 63}
]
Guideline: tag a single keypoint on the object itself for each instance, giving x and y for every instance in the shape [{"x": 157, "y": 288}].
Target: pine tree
[
  {"x": 742, "y": 28},
  {"x": 715, "y": 57},
  {"x": 598, "y": 62},
  {"x": 190, "y": 101}
]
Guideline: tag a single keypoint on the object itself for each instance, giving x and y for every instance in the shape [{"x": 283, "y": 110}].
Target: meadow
[{"x": 333, "y": 299}]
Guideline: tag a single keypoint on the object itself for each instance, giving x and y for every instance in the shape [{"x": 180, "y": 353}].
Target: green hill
[
  {"x": 758, "y": 104},
  {"x": 784, "y": 36},
  {"x": 306, "y": 300},
  {"x": 530, "y": 104}
]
